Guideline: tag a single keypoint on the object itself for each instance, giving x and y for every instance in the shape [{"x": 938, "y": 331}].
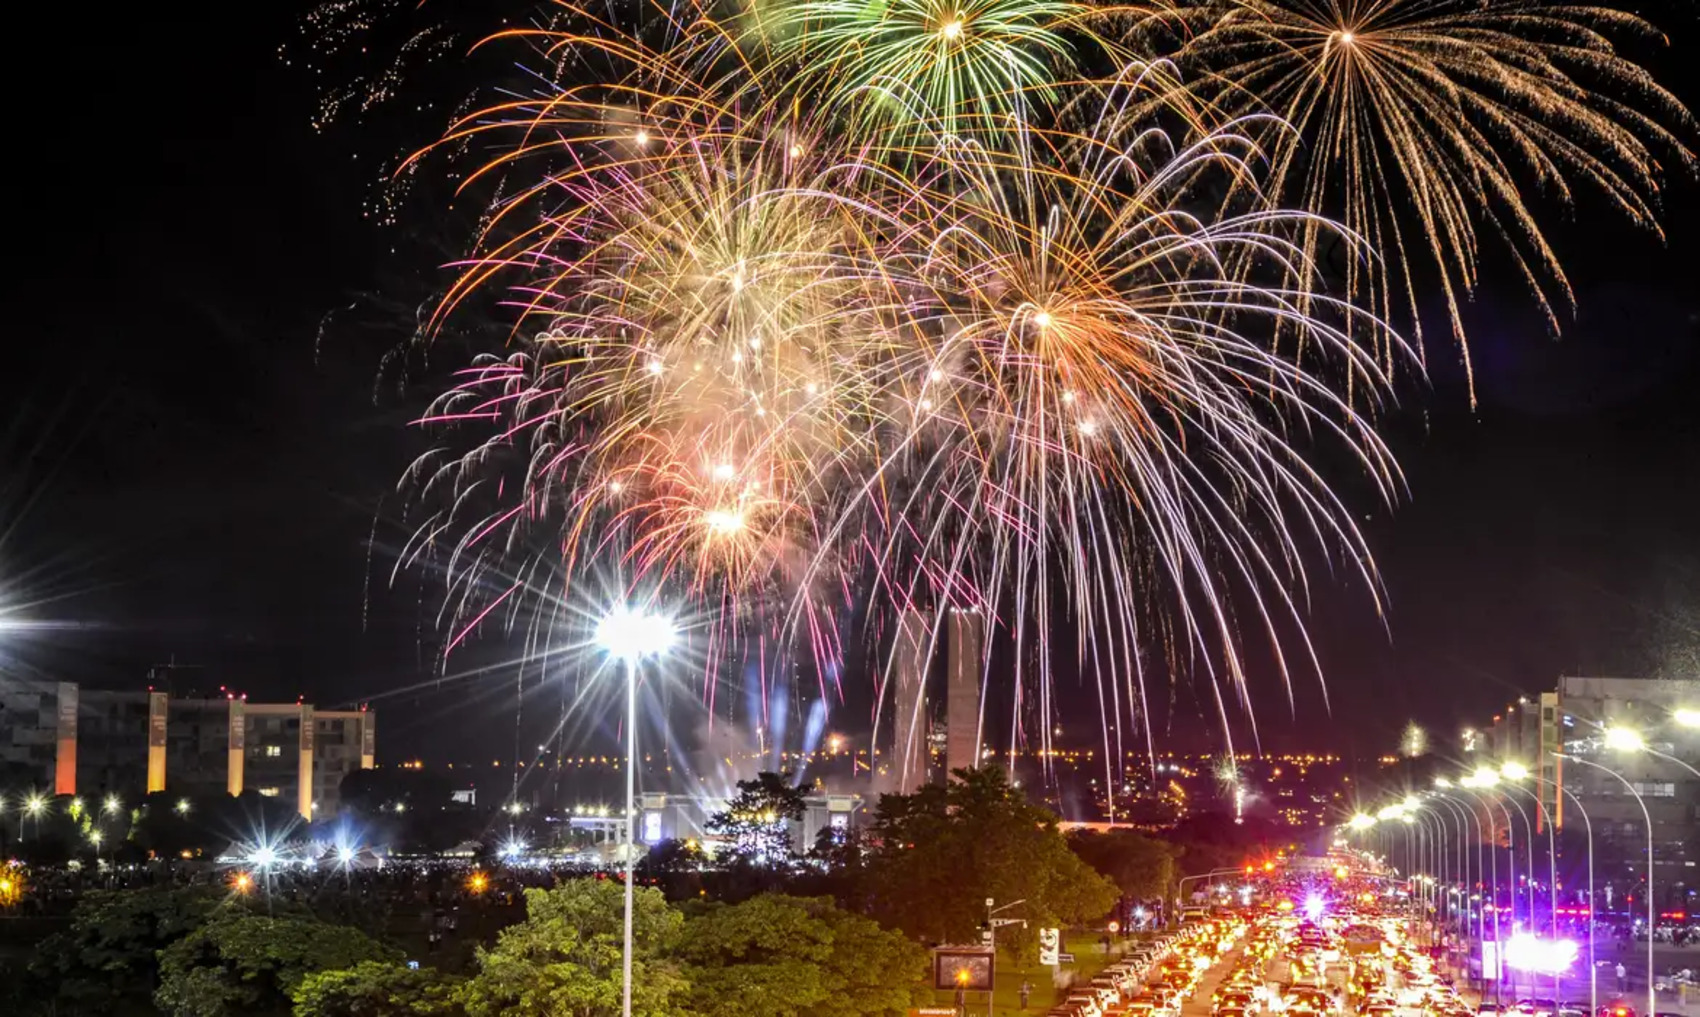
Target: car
[
  {"x": 1086, "y": 1004},
  {"x": 1487, "y": 1007},
  {"x": 1617, "y": 1009}
]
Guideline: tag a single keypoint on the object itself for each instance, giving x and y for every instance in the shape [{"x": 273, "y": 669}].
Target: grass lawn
[{"x": 1089, "y": 959}]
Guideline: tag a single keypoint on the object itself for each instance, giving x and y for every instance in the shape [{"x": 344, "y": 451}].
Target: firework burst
[
  {"x": 1418, "y": 123},
  {"x": 781, "y": 371},
  {"x": 961, "y": 64}
]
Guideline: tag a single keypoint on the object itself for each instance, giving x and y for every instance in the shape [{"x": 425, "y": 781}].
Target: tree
[
  {"x": 948, "y": 847},
  {"x": 758, "y": 819},
  {"x": 377, "y": 989},
  {"x": 564, "y": 959},
  {"x": 106, "y": 962},
  {"x": 778, "y": 956},
  {"x": 1142, "y": 867},
  {"x": 1212, "y": 840},
  {"x": 243, "y": 965},
  {"x": 675, "y": 866}
]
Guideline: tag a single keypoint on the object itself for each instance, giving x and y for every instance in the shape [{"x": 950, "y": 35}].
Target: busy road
[{"x": 1329, "y": 946}]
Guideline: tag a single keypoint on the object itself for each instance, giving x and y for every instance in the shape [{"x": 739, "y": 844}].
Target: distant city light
[{"x": 1414, "y": 742}]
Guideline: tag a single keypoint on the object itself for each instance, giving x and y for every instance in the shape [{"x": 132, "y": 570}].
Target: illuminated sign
[{"x": 963, "y": 967}]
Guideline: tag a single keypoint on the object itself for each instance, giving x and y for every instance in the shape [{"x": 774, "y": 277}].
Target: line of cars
[{"x": 1157, "y": 975}]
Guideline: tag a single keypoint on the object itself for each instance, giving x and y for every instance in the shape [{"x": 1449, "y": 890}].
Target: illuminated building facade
[
  {"x": 58, "y": 736},
  {"x": 1562, "y": 737}
]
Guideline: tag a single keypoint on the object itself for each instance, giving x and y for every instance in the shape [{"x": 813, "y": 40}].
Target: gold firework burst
[{"x": 1421, "y": 124}]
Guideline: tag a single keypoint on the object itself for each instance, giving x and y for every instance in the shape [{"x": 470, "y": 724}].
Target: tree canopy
[
  {"x": 943, "y": 850},
  {"x": 564, "y": 959},
  {"x": 247, "y": 965},
  {"x": 758, "y": 818},
  {"x": 779, "y": 956},
  {"x": 376, "y": 989},
  {"x": 1142, "y": 867},
  {"x": 105, "y": 962}
]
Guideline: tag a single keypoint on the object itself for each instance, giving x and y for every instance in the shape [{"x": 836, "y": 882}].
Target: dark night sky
[{"x": 207, "y": 471}]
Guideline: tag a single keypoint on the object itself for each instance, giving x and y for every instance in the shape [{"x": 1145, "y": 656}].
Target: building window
[
  {"x": 269, "y": 792},
  {"x": 274, "y": 751}
]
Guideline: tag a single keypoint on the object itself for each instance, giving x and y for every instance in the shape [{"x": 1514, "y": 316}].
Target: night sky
[{"x": 194, "y": 464}]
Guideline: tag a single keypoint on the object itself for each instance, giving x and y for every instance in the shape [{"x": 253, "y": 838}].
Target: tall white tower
[{"x": 967, "y": 634}]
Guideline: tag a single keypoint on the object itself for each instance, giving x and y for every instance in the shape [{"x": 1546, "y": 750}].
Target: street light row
[
  {"x": 1509, "y": 775},
  {"x": 33, "y": 805}
]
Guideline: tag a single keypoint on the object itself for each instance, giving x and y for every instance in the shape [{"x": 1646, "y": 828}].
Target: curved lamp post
[{"x": 1645, "y": 815}]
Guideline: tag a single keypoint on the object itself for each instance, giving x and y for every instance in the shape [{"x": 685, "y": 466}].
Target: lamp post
[
  {"x": 1446, "y": 916},
  {"x": 1481, "y": 870},
  {"x": 1514, "y": 772},
  {"x": 1588, "y": 824},
  {"x": 992, "y": 941},
  {"x": 629, "y": 636},
  {"x": 1646, "y": 816},
  {"x": 1486, "y": 777}
]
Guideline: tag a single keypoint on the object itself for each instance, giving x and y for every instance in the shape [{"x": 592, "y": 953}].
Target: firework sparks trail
[
  {"x": 779, "y": 369},
  {"x": 1418, "y": 123}
]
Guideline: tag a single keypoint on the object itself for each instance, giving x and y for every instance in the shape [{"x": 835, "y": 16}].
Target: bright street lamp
[
  {"x": 1514, "y": 771},
  {"x": 629, "y": 636},
  {"x": 1686, "y": 717},
  {"x": 1361, "y": 821},
  {"x": 1625, "y": 739},
  {"x": 1485, "y": 776}
]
